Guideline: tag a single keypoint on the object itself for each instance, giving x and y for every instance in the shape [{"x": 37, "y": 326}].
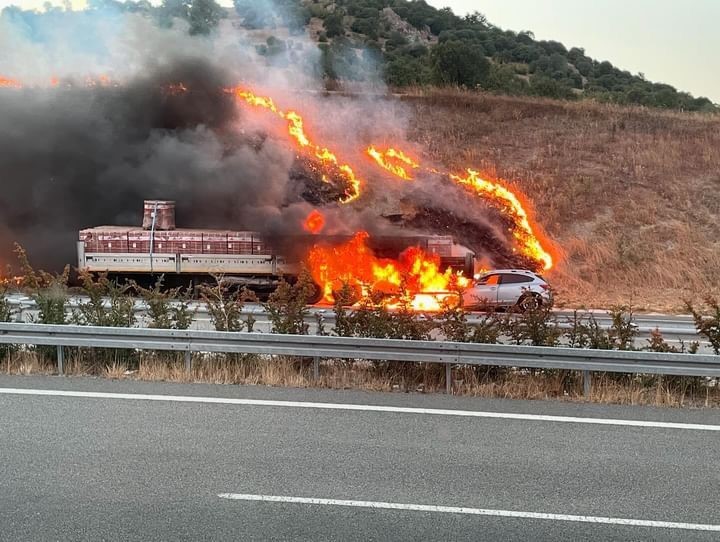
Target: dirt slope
[{"x": 631, "y": 195}]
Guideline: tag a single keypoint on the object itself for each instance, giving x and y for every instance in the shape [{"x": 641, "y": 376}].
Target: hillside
[
  {"x": 628, "y": 194},
  {"x": 411, "y": 43}
]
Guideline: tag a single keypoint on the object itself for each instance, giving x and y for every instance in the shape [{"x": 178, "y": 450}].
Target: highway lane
[{"x": 90, "y": 468}]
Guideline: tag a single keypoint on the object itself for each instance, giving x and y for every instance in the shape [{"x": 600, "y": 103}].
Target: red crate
[
  {"x": 89, "y": 240},
  {"x": 259, "y": 246},
  {"x": 240, "y": 242},
  {"x": 214, "y": 243},
  {"x": 112, "y": 241},
  {"x": 138, "y": 241},
  {"x": 181, "y": 241}
]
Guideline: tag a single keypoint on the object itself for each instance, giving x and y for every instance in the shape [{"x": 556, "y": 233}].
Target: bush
[
  {"x": 707, "y": 322},
  {"x": 225, "y": 304},
  {"x": 166, "y": 309},
  {"x": 49, "y": 292},
  {"x": 537, "y": 327},
  {"x": 109, "y": 303},
  {"x": 460, "y": 63},
  {"x": 373, "y": 319},
  {"x": 287, "y": 305}
]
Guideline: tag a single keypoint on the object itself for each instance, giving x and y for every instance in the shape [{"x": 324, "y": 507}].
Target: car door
[
  {"x": 511, "y": 288},
  {"x": 484, "y": 292}
]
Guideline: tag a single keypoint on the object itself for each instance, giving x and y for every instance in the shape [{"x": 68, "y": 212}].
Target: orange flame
[
  {"x": 498, "y": 194},
  {"x": 6, "y": 82},
  {"x": 509, "y": 203},
  {"x": 296, "y": 129},
  {"x": 315, "y": 222},
  {"x": 415, "y": 274},
  {"x": 385, "y": 160}
]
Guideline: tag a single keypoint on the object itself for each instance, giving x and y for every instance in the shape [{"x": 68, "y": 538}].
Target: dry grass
[
  {"x": 423, "y": 378},
  {"x": 629, "y": 194}
]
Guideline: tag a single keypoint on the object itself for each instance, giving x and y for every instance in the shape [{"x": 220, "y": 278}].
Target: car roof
[
  {"x": 522, "y": 271},
  {"x": 525, "y": 272}
]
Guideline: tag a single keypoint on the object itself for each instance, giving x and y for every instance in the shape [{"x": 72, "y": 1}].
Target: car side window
[
  {"x": 508, "y": 278},
  {"x": 490, "y": 280}
]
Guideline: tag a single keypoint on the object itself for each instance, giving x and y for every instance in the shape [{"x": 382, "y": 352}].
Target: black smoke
[{"x": 75, "y": 156}]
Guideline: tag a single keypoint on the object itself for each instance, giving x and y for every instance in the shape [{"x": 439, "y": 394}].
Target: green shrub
[
  {"x": 537, "y": 327},
  {"x": 707, "y": 321},
  {"x": 287, "y": 305},
  {"x": 225, "y": 303},
  {"x": 166, "y": 309}
]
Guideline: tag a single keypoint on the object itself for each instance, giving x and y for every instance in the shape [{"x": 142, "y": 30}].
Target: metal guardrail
[{"x": 318, "y": 346}]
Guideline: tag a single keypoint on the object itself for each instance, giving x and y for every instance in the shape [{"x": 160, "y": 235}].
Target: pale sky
[{"x": 670, "y": 41}]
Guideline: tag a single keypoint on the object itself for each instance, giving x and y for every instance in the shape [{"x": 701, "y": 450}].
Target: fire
[
  {"x": 315, "y": 222},
  {"x": 510, "y": 204},
  {"x": 385, "y": 160},
  {"x": 415, "y": 275},
  {"x": 296, "y": 130},
  {"x": 495, "y": 192},
  {"x": 6, "y": 82}
]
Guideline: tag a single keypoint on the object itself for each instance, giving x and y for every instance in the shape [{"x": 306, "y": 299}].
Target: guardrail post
[
  {"x": 448, "y": 378},
  {"x": 587, "y": 383},
  {"x": 316, "y": 368},
  {"x": 188, "y": 361},
  {"x": 60, "y": 360}
]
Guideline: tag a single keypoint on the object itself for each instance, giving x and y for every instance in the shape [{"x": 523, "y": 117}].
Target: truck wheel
[{"x": 316, "y": 296}]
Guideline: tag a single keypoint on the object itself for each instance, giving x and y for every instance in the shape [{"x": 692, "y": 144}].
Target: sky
[{"x": 670, "y": 41}]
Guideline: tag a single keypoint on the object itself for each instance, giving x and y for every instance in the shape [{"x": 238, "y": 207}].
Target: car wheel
[{"x": 529, "y": 302}]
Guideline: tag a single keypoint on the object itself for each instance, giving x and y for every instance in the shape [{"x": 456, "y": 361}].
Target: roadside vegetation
[{"x": 107, "y": 303}]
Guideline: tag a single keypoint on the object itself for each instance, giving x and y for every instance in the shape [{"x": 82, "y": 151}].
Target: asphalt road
[{"x": 109, "y": 468}]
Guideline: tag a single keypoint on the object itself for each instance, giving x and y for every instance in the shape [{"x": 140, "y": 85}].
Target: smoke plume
[{"x": 155, "y": 121}]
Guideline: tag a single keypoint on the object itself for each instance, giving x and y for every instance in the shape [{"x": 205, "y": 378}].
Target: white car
[{"x": 519, "y": 288}]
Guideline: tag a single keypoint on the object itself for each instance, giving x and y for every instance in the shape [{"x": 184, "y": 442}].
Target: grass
[
  {"x": 629, "y": 194},
  {"x": 489, "y": 382}
]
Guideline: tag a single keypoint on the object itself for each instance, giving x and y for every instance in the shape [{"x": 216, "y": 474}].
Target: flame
[
  {"x": 495, "y": 192},
  {"x": 385, "y": 160},
  {"x": 296, "y": 130},
  {"x": 315, "y": 222},
  {"x": 509, "y": 203},
  {"x": 6, "y": 82},
  {"x": 415, "y": 277}
]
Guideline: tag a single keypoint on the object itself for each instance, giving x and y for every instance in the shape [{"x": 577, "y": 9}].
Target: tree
[
  {"x": 174, "y": 9},
  {"x": 334, "y": 24},
  {"x": 204, "y": 16},
  {"x": 460, "y": 63}
]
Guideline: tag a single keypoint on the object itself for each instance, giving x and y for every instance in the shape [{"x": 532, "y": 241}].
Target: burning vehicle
[{"x": 247, "y": 258}]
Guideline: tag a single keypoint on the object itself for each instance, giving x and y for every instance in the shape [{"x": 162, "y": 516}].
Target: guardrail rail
[{"x": 319, "y": 346}]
